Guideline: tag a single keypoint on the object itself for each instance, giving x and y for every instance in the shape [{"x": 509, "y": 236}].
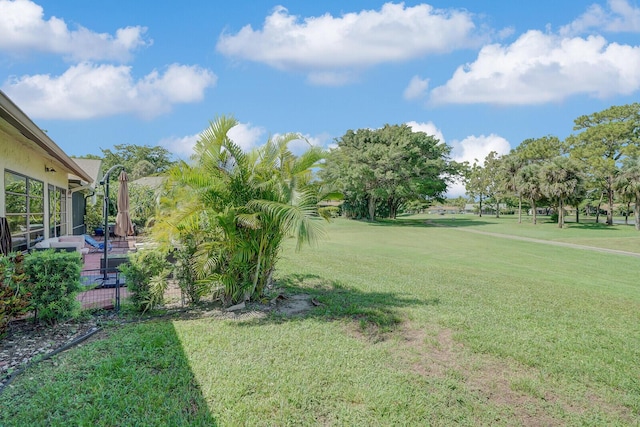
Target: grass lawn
[{"x": 419, "y": 325}]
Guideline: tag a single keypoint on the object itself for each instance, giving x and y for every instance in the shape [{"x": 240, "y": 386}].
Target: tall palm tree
[
  {"x": 561, "y": 179},
  {"x": 529, "y": 186},
  {"x": 241, "y": 206},
  {"x": 628, "y": 183}
]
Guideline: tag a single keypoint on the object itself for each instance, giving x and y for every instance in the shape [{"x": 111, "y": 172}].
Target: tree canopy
[
  {"x": 377, "y": 170},
  {"x": 138, "y": 160}
]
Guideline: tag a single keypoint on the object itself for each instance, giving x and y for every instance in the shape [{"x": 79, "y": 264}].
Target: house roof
[
  {"x": 154, "y": 182},
  {"x": 10, "y": 112},
  {"x": 93, "y": 168}
]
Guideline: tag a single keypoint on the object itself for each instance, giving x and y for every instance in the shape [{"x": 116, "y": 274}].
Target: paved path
[{"x": 548, "y": 242}]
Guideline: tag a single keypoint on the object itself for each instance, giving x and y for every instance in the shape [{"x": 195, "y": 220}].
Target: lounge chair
[{"x": 97, "y": 246}]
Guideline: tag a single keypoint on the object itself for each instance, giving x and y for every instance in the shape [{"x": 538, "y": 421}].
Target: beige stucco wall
[{"x": 17, "y": 155}]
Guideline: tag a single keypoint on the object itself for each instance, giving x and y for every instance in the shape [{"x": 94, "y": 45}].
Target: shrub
[
  {"x": 185, "y": 273},
  {"x": 329, "y": 212},
  {"x": 146, "y": 275},
  {"x": 93, "y": 218},
  {"x": 54, "y": 283},
  {"x": 14, "y": 296}
]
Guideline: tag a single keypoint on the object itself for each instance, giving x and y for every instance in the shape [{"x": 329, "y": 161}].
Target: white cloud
[
  {"x": 87, "y": 90},
  {"x": 417, "y": 88},
  {"x": 539, "y": 68},
  {"x": 327, "y": 47},
  {"x": 620, "y": 17},
  {"x": 182, "y": 147},
  {"x": 474, "y": 149},
  {"x": 243, "y": 134},
  {"x": 247, "y": 136},
  {"x": 429, "y": 128},
  {"x": 23, "y": 29}
]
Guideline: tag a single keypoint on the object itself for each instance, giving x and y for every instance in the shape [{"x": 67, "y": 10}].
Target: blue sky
[{"x": 481, "y": 75}]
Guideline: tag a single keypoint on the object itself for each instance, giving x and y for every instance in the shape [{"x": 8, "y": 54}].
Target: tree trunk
[
  {"x": 372, "y": 208},
  {"x": 497, "y": 208},
  {"x": 610, "y": 211},
  {"x": 560, "y": 214},
  {"x": 481, "y": 206},
  {"x": 577, "y": 215},
  {"x": 535, "y": 212},
  {"x": 519, "y": 209},
  {"x": 626, "y": 217},
  {"x": 598, "y": 208}
]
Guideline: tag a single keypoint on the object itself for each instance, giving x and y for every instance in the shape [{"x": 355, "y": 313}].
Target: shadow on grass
[
  {"x": 375, "y": 312},
  {"x": 592, "y": 225},
  {"x": 137, "y": 376},
  {"x": 430, "y": 222}
]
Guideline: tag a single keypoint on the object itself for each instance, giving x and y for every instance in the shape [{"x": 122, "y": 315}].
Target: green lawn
[
  {"x": 420, "y": 324},
  {"x": 587, "y": 232}
]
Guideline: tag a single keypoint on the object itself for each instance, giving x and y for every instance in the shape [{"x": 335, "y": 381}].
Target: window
[
  {"x": 24, "y": 206},
  {"x": 57, "y": 211}
]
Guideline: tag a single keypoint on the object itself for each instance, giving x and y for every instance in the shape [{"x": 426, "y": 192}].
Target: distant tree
[
  {"x": 628, "y": 184},
  {"x": 530, "y": 186},
  {"x": 561, "y": 180},
  {"x": 605, "y": 138},
  {"x": 143, "y": 168},
  {"x": 138, "y": 160},
  {"x": 381, "y": 169},
  {"x": 476, "y": 184},
  {"x": 509, "y": 168},
  {"x": 459, "y": 202}
]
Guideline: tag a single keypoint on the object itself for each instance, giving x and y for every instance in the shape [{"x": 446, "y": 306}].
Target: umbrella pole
[{"x": 105, "y": 212}]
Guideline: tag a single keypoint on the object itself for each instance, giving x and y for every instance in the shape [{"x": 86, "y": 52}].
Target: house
[
  {"x": 36, "y": 191},
  {"x": 441, "y": 210}
]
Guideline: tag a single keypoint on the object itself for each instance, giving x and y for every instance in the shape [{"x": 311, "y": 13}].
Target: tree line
[{"x": 597, "y": 164}]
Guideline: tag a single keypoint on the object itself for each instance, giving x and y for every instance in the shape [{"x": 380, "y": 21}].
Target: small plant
[
  {"x": 54, "y": 282},
  {"x": 14, "y": 297},
  {"x": 146, "y": 275}
]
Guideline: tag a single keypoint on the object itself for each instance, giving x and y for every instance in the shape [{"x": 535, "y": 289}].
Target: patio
[{"x": 103, "y": 295}]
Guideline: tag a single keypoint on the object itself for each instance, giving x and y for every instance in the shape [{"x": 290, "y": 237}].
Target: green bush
[
  {"x": 329, "y": 212},
  {"x": 146, "y": 276},
  {"x": 93, "y": 218},
  {"x": 54, "y": 283},
  {"x": 14, "y": 296},
  {"x": 185, "y": 273}
]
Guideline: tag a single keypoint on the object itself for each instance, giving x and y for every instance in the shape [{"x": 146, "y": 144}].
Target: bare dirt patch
[
  {"x": 27, "y": 341},
  {"x": 523, "y": 394}
]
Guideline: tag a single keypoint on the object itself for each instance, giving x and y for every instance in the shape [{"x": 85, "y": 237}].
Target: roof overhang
[{"x": 19, "y": 120}]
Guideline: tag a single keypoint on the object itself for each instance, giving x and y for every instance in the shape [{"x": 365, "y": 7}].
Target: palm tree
[
  {"x": 511, "y": 165},
  {"x": 561, "y": 180},
  {"x": 239, "y": 207},
  {"x": 529, "y": 186},
  {"x": 628, "y": 183}
]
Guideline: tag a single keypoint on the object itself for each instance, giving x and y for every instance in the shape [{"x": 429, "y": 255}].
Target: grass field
[{"x": 421, "y": 323}]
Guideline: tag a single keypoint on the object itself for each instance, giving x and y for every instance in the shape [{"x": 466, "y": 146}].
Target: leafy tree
[
  {"x": 143, "y": 168},
  {"x": 236, "y": 208},
  {"x": 605, "y": 138},
  {"x": 138, "y": 160},
  {"x": 494, "y": 179},
  {"x": 383, "y": 168},
  {"x": 476, "y": 184},
  {"x": 561, "y": 179}
]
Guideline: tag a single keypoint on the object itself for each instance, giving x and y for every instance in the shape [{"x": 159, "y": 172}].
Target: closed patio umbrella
[{"x": 124, "y": 226}]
